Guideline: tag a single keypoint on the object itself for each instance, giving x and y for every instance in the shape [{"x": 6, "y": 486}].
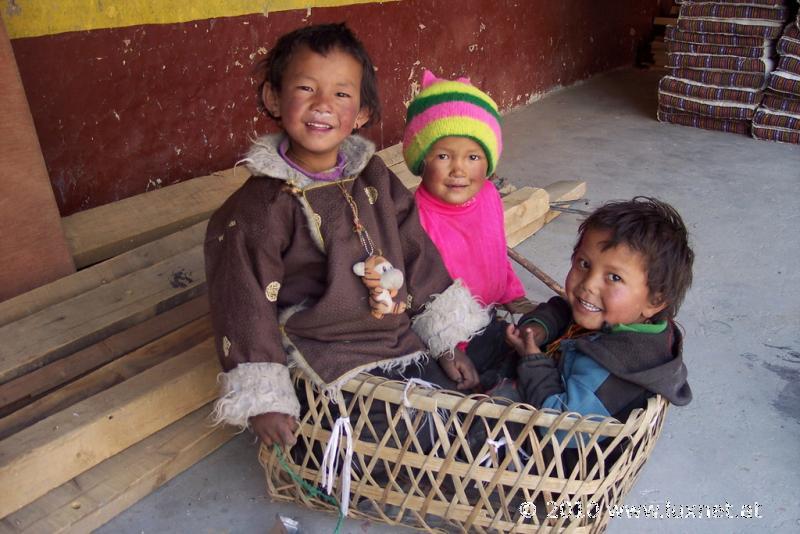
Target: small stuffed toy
[{"x": 383, "y": 281}]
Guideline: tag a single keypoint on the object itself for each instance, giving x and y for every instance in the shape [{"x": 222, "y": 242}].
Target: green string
[{"x": 310, "y": 491}]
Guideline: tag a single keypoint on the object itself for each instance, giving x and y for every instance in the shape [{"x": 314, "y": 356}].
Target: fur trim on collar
[{"x": 263, "y": 158}]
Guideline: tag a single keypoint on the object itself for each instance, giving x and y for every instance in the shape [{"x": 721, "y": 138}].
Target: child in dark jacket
[{"x": 612, "y": 342}]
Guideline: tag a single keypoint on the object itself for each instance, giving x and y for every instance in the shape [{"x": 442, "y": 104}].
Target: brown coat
[{"x": 279, "y": 259}]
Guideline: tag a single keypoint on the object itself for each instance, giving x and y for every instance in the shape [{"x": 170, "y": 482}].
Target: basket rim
[{"x": 428, "y": 399}]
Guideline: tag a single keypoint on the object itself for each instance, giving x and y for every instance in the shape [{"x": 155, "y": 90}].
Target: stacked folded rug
[
  {"x": 778, "y": 117},
  {"x": 720, "y": 56}
]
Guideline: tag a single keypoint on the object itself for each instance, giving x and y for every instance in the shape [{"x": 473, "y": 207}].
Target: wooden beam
[
  {"x": 392, "y": 155},
  {"x": 523, "y": 206},
  {"x": 80, "y": 321},
  {"x": 100, "y": 274},
  {"x": 408, "y": 179},
  {"x": 108, "y": 375},
  {"x": 91, "y": 499},
  {"x": 31, "y": 385},
  {"x": 100, "y": 233},
  {"x": 564, "y": 191},
  {"x": 51, "y": 452},
  {"x": 557, "y": 192},
  {"x": 665, "y": 21}
]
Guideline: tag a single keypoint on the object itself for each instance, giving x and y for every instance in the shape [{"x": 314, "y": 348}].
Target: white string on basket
[
  {"x": 428, "y": 416},
  {"x": 330, "y": 460},
  {"x": 486, "y": 459}
]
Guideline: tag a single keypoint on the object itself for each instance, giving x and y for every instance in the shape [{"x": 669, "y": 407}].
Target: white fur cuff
[
  {"x": 450, "y": 318},
  {"x": 252, "y": 389}
]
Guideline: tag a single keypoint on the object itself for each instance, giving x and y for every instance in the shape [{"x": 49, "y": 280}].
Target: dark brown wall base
[{"x": 121, "y": 111}]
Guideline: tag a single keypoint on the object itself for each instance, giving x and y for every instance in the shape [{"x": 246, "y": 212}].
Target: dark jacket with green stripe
[{"x": 608, "y": 372}]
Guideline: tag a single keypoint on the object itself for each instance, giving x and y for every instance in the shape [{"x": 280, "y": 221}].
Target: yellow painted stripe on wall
[{"x": 32, "y": 18}]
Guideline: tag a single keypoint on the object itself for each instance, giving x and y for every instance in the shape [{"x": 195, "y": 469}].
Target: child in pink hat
[{"x": 453, "y": 140}]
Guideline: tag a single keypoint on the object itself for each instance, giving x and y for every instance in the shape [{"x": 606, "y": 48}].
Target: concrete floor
[{"x": 738, "y": 442}]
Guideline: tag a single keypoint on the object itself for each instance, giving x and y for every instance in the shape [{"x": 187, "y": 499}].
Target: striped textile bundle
[
  {"x": 785, "y": 82},
  {"x": 766, "y": 132},
  {"x": 789, "y": 64},
  {"x": 731, "y": 11},
  {"x": 777, "y": 3},
  {"x": 770, "y": 134},
  {"x": 676, "y": 116},
  {"x": 764, "y": 29},
  {"x": 707, "y": 108},
  {"x": 778, "y": 120},
  {"x": 719, "y": 50},
  {"x": 779, "y": 102},
  {"x": 725, "y": 63},
  {"x": 745, "y": 80},
  {"x": 673, "y": 33},
  {"x": 789, "y": 43},
  {"x": 720, "y": 56},
  {"x": 677, "y": 86},
  {"x": 778, "y": 116}
]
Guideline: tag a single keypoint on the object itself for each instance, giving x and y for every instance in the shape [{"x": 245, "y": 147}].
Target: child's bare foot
[{"x": 522, "y": 340}]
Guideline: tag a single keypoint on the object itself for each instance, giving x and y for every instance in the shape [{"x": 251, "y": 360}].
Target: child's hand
[
  {"x": 275, "y": 427},
  {"x": 539, "y": 333},
  {"x": 523, "y": 340},
  {"x": 460, "y": 369}
]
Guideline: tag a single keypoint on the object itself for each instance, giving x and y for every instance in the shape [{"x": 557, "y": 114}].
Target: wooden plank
[
  {"x": 558, "y": 192},
  {"x": 50, "y": 376},
  {"x": 523, "y": 206},
  {"x": 108, "y": 375},
  {"x": 94, "y": 497},
  {"x": 393, "y": 158},
  {"x": 408, "y": 179},
  {"x": 33, "y": 250},
  {"x": 665, "y": 21},
  {"x": 51, "y": 452},
  {"x": 100, "y": 233},
  {"x": 392, "y": 155},
  {"x": 80, "y": 321},
  {"x": 102, "y": 273},
  {"x": 564, "y": 191},
  {"x": 106, "y": 231}
]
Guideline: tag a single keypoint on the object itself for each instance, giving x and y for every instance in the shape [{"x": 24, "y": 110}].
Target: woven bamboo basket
[{"x": 533, "y": 483}]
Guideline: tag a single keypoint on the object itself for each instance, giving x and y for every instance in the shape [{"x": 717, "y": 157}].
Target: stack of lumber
[
  {"x": 659, "y": 46},
  {"x": 107, "y": 375},
  {"x": 720, "y": 56},
  {"x": 778, "y": 116}
]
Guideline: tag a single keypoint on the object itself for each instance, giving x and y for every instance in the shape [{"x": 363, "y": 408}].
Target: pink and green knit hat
[{"x": 451, "y": 108}]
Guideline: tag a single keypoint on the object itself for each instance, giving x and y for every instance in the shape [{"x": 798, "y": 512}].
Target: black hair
[
  {"x": 321, "y": 38},
  {"x": 655, "y": 230}
]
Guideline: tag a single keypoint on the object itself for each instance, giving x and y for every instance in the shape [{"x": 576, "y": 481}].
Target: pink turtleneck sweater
[{"x": 472, "y": 241}]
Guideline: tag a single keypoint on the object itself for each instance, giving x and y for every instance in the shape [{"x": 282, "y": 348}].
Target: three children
[{"x": 281, "y": 252}]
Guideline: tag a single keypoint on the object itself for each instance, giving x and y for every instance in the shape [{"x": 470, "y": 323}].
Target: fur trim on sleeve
[
  {"x": 254, "y": 388},
  {"x": 449, "y": 318}
]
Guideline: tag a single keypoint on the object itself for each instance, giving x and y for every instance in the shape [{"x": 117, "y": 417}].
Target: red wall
[{"x": 121, "y": 111}]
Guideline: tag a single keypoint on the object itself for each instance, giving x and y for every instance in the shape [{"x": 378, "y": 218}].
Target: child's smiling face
[
  {"x": 319, "y": 105},
  {"x": 455, "y": 169},
  {"x": 608, "y": 286}
]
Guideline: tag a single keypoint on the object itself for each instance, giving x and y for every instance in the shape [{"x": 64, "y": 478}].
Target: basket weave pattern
[{"x": 464, "y": 483}]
